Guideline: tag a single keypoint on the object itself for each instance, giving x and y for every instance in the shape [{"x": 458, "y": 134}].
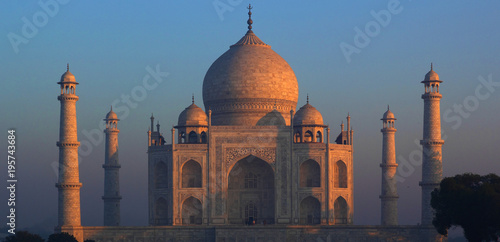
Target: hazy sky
[{"x": 112, "y": 46}]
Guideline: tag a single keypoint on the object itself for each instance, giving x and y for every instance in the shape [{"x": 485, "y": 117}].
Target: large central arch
[{"x": 251, "y": 192}]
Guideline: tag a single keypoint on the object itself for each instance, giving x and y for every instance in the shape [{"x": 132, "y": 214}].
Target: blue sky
[{"x": 110, "y": 46}]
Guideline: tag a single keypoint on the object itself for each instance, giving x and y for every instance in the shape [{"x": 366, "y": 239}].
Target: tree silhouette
[
  {"x": 24, "y": 236},
  {"x": 470, "y": 201},
  {"x": 61, "y": 237}
]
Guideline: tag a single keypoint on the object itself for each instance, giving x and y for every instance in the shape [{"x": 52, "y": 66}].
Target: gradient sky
[{"x": 109, "y": 47}]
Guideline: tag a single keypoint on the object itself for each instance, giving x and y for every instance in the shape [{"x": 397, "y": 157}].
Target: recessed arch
[
  {"x": 340, "y": 174},
  {"x": 160, "y": 175},
  {"x": 203, "y": 137},
  {"x": 191, "y": 174},
  {"x": 319, "y": 137},
  {"x": 193, "y": 137},
  {"x": 341, "y": 210},
  {"x": 308, "y": 136},
  {"x": 192, "y": 211},
  {"x": 183, "y": 137},
  {"x": 310, "y": 174},
  {"x": 161, "y": 214},
  {"x": 297, "y": 137},
  {"x": 310, "y": 211}
]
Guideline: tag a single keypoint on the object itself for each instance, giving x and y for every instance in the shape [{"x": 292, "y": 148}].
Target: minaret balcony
[
  {"x": 432, "y": 95},
  {"x": 432, "y": 142},
  {"x": 68, "y": 97},
  {"x": 68, "y": 144}
]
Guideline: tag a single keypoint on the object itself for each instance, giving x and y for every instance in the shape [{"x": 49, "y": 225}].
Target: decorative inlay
[{"x": 234, "y": 154}]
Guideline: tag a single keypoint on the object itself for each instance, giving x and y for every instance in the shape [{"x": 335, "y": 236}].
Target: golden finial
[{"x": 249, "y": 22}]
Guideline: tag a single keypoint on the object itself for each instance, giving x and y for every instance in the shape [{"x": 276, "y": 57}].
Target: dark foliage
[
  {"x": 24, "y": 236},
  {"x": 61, "y": 237},
  {"x": 470, "y": 201}
]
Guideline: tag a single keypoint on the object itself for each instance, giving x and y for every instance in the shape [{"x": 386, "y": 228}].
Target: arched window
[
  {"x": 310, "y": 175},
  {"x": 319, "y": 137},
  {"x": 191, "y": 174},
  {"x": 203, "y": 137},
  {"x": 161, "y": 176},
  {"x": 340, "y": 174},
  {"x": 193, "y": 137},
  {"x": 308, "y": 137},
  {"x": 297, "y": 138},
  {"x": 183, "y": 137},
  {"x": 340, "y": 210}
]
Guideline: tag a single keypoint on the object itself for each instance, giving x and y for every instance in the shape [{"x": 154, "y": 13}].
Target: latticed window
[{"x": 251, "y": 180}]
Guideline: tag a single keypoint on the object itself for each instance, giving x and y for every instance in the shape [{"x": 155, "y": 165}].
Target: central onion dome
[{"x": 248, "y": 82}]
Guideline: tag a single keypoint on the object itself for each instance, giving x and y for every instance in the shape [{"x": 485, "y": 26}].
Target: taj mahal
[{"x": 250, "y": 164}]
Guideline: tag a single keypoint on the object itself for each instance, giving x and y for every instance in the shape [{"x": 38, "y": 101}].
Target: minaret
[
  {"x": 432, "y": 167},
  {"x": 389, "y": 196},
  {"x": 111, "y": 172},
  {"x": 68, "y": 184}
]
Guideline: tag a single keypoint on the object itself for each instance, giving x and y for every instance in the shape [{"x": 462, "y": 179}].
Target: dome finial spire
[
  {"x": 249, "y": 22},
  {"x": 387, "y": 106},
  {"x": 308, "y": 98},
  {"x": 67, "y": 66},
  {"x": 192, "y": 98},
  {"x": 431, "y": 66}
]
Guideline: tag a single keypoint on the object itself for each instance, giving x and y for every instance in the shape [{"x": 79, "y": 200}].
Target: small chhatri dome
[
  {"x": 431, "y": 75},
  {"x": 111, "y": 115},
  {"x": 192, "y": 116},
  {"x": 68, "y": 77},
  {"x": 388, "y": 114},
  {"x": 248, "y": 82},
  {"x": 308, "y": 115}
]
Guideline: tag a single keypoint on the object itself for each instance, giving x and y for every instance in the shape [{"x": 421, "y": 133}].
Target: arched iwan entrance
[
  {"x": 251, "y": 192},
  {"x": 310, "y": 211},
  {"x": 192, "y": 211}
]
